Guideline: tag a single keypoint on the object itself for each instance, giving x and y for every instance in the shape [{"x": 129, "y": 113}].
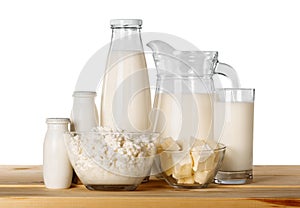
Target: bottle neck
[{"x": 126, "y": 39}]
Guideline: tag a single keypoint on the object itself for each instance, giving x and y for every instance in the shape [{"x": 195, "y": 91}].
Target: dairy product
[
  {"x": 84, "y": 114},
  {"x": 196, "y": 165},
  {"x": 182, "y": 116},
  {"x": 169, "y": 144},
  {"x": 57, "y": 169},
  {"x": 234, "y": 128},
  {"x": 111, "y": 158},
  {"x": 126, "y": 100}
]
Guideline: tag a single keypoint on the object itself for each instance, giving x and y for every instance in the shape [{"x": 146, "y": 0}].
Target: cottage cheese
[{"x": 104, "y": 157}]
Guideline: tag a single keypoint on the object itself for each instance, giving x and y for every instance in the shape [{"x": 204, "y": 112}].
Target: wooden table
[{"x": 273, "y": 186}]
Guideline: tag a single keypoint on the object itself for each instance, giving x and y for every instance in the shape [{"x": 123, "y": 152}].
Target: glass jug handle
[{"x": 229, "y": 72}]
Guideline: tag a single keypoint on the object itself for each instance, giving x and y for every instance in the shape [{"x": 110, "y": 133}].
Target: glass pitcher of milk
[
  {"x": 183, "y": 103},
  {"x": 126, "y": 100}
]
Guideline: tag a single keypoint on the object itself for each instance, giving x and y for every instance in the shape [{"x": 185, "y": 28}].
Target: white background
[{"x": 45, "y": 44}]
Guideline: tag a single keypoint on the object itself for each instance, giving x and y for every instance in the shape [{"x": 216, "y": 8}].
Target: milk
[
  {"x": 234, "y": 128},
  {"x": 84, "y": 114},
  {"x": 57, "y": 169},
  {"x": 182, "y": 116},
  {"x": 126, "y": 100}
]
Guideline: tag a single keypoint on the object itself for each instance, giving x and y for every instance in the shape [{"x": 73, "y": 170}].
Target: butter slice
[
  {"x": 169, "y": 144},
  {"x": 195, "y": 157},
  {"x": 202, "y": 176},
  {"x": 200, "y": 165},
  {"x": 167, "y": 162},
  {"x": 188, "y": 180},
  {"x": 198, "y": 144},
  {"x": 210, "y": 163},
  {"x": 183, "y": 169}
]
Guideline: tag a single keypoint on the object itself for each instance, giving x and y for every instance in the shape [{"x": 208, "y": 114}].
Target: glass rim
[
  {"x": 111, "y": 133},
  {"x": 185, "y": 76},
  {"x": 235, "y": 89},
  {"x": 218, "y": 148}
]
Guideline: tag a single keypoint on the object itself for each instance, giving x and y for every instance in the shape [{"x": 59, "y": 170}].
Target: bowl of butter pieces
[{"x": 190, "y": 166}]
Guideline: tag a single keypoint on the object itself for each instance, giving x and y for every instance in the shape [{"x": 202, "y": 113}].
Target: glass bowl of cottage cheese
[
  {"x": 190, "y": 166},
  {"x": 110, "y": 160}
]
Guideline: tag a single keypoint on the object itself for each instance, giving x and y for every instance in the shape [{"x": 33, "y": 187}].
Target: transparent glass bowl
[
  {"x": 106, "y": 161},
  {"x": 191, "y": 169}
]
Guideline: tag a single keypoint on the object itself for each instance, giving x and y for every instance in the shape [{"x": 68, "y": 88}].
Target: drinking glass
[{"x": 233, "y": 126}]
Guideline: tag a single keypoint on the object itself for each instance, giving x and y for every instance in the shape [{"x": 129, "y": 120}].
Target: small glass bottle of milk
[
  {"x": 57, "y": 169},
  {"x": 126, "y": 100},
  {"x": 84, "y": 115}
]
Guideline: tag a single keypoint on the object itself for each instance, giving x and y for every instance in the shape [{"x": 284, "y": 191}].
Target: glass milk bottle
[
  {"x": 84, "y": 115},
  {"x": 126, "y": 101},
  {"x": 57, "y": 169}
]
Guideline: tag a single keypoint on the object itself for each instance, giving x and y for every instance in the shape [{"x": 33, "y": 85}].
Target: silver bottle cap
[{"x": 126, "y": 23}]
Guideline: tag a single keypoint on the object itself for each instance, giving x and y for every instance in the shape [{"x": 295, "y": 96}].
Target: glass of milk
[{"x": 233, "y": 126}]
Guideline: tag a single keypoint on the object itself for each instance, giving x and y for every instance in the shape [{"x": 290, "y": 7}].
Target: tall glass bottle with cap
[{"x": 126, "y": 100}]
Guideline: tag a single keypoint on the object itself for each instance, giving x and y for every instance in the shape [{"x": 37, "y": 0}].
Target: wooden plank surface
[{"x": 273, "y": 186}]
